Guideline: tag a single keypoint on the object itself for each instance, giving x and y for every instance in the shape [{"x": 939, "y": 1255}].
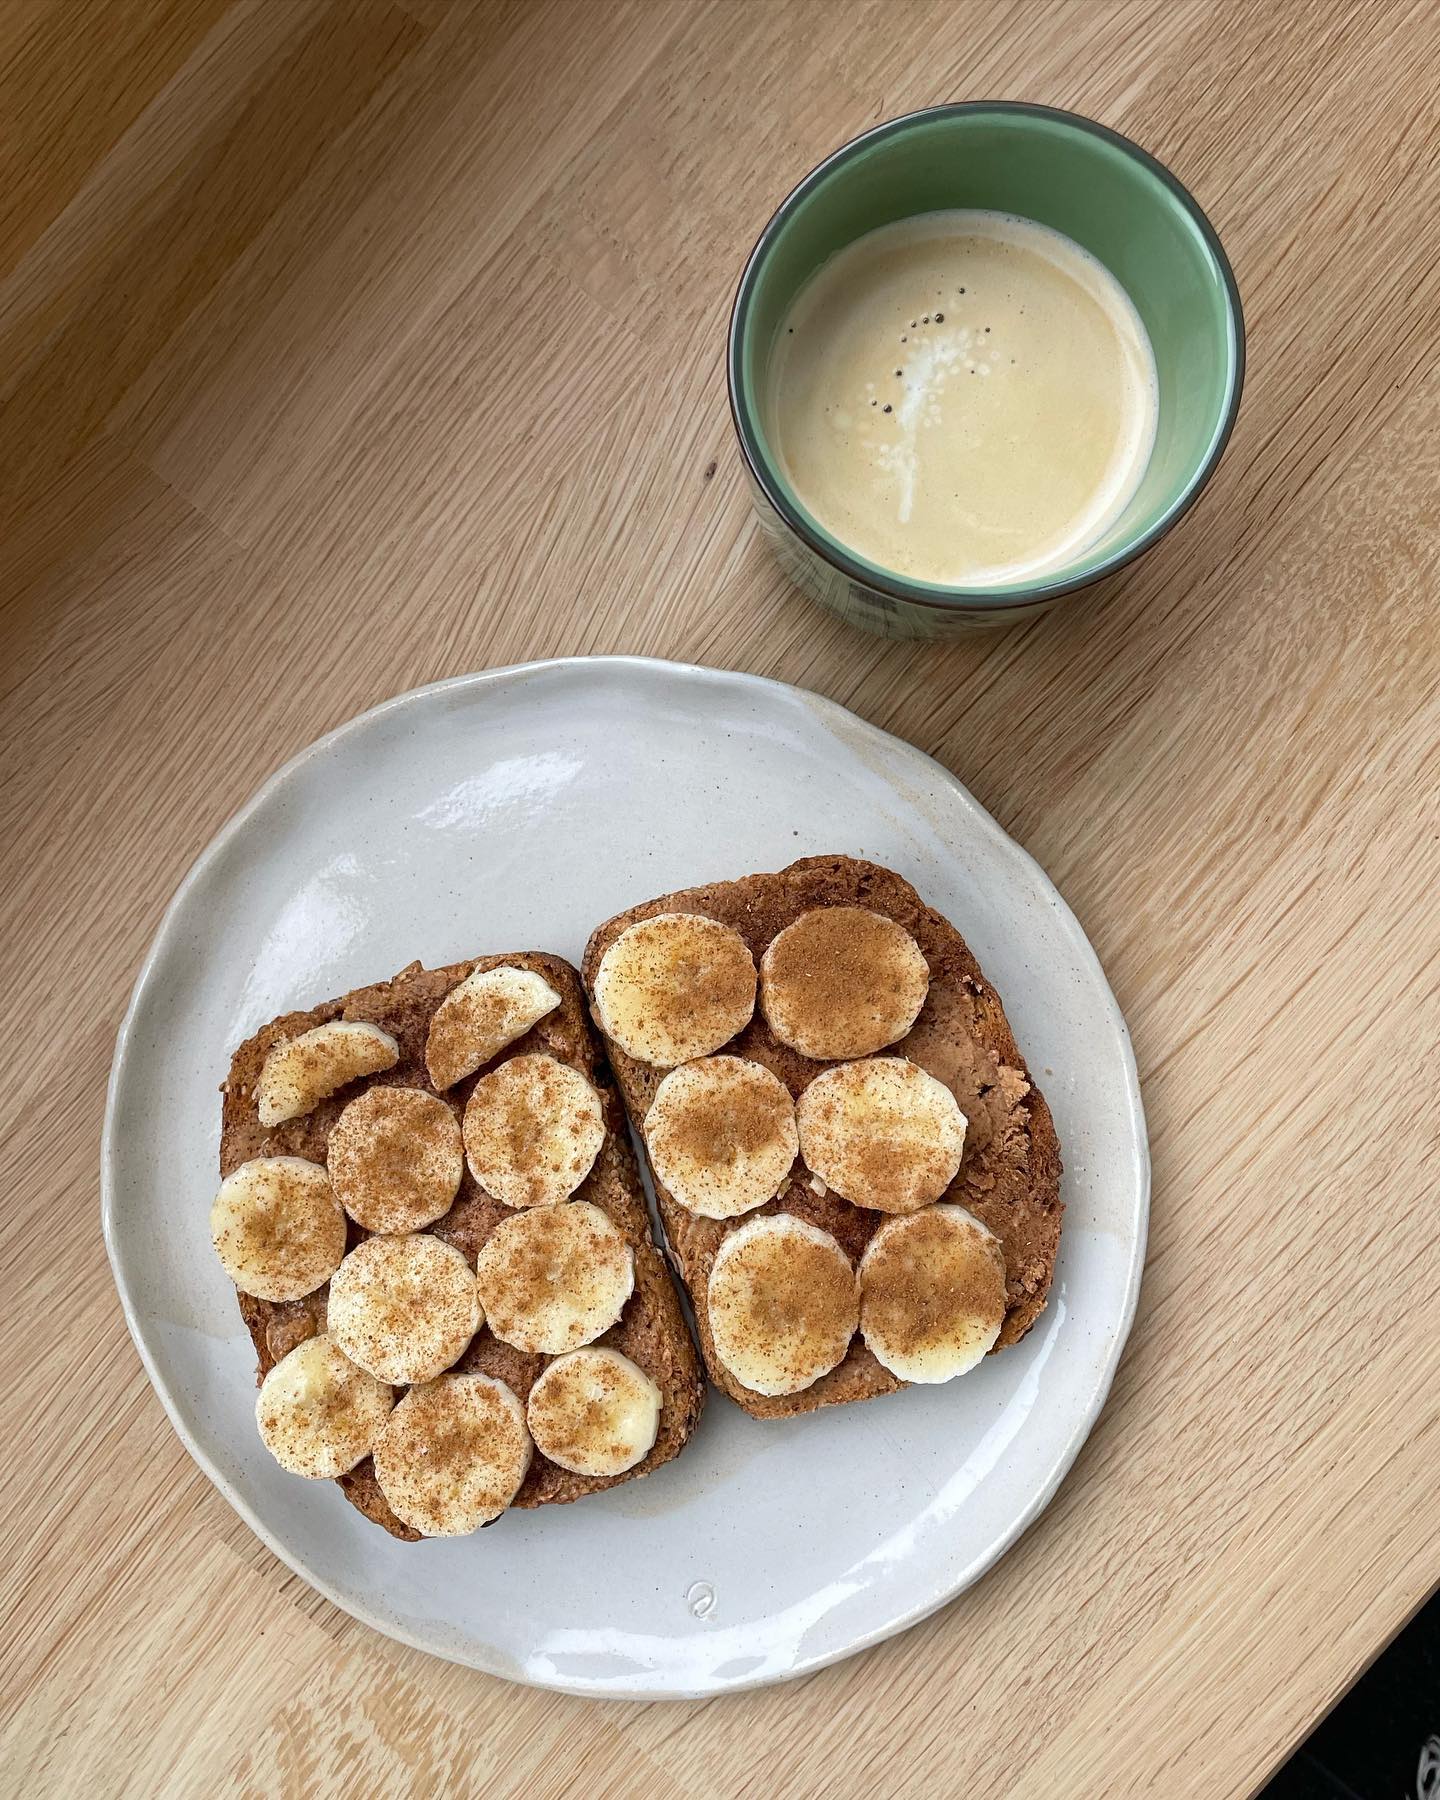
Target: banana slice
[
  {"x": 721, "y": 1134},
  {"x": 842, "y": 981},
  {"x": 297, "y": 1076},
  {"x": 882, "y": 1133},
  {"x": 675, "y": 987},
  {"x": 453, "y": 1454},
  {"x": 932, "y": 1293},
  {"x": 278, "y": 1228},
  {"x": 594, "y": 1412},
  {"x": 318, "y": 1414},
  {"x": 533, "y": 1127},
  {"x": 553, "y": 1279},
  {"x": 477, "y": 1019},
  {"x": 396, "y": 1158},
  {"x": 783, "y": 1303},
  {"x": 403, "y": 1308}
]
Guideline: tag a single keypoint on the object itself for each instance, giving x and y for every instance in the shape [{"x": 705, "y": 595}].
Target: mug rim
[{"x": 941, "y": 597}]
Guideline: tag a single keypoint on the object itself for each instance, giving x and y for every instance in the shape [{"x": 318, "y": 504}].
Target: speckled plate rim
[{"x": 850, "y": 726}]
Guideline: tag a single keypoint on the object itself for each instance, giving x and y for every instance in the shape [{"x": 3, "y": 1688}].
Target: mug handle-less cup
[{"x": 1065, "y": 171}]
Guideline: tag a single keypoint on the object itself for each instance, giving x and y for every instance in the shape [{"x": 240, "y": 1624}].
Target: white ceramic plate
[{"x": 514, "y": 810}]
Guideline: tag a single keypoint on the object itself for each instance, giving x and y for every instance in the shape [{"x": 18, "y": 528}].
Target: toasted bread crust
[
  {"x": 1010, "y": 1174},
  {"x": 651, "y": 1332}
]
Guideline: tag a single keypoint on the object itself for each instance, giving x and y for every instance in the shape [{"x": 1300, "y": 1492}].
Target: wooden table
[{"x": 346, "y": 344}]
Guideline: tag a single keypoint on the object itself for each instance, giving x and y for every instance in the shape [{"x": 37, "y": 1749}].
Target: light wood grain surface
[{"x": 347, "y": 344}]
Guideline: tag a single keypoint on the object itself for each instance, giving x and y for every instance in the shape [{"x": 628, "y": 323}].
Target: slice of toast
[
  {"x": 1010, "y": 1173},
  {"x": 651, "y": 1331}
]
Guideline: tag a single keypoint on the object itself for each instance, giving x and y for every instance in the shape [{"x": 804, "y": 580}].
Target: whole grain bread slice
[
  {"x": 1010, "y": 1175},
  {"x": 651, "y": 1330}
]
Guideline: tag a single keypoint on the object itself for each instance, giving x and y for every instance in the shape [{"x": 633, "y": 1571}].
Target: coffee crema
[{"x": 966, "y": 398}]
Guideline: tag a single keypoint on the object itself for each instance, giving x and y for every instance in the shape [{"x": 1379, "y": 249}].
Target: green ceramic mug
[{"x": 1064, "y": 171}]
